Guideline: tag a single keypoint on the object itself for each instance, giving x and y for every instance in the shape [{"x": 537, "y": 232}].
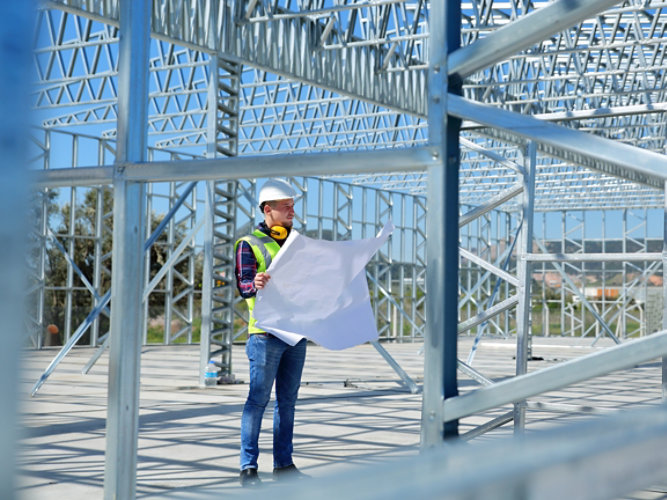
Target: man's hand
[{"x": 261, "y": 279}]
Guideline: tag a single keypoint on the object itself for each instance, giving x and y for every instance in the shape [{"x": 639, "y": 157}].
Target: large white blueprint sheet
[{"x": 318, "y": 290}]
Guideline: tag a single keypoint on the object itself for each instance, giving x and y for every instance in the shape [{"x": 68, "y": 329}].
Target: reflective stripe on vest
[{"x": 264, "y": 248}]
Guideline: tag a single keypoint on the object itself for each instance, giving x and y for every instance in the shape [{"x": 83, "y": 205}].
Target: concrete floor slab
[{"x": 353, "y": 409}]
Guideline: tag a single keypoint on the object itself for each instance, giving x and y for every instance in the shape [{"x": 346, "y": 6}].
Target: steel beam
[
  {"x": 70, "y": 260},
  {"x": 594, "y": 152},
  {"x": 494, "y": 202},
  {"x": 603, "y": 112},
  {"x": 488, "y": 426},
  {"x": 522, "y": 34},
  {"x": 65, "y": 177},
  {"x": 100, "y": 305},
  {"x": 128, "y": 257},
  {"x": 289, "y": 165},
  {"x": 474, "y": 374},
  {"x": 595, "y": 257},
  {"x": 407, "y": 380},
  {"x": 589, "y": 114},
  {"x": 512, "y": 280},
  {"x": 556, "y": 377},
  {"x": 487, "y": 314}
]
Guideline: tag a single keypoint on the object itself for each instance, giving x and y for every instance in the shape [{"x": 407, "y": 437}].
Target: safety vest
[{"x": 265, "y": 249}]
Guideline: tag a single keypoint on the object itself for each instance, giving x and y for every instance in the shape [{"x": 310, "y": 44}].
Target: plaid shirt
[{"x": 246, "y": 266}]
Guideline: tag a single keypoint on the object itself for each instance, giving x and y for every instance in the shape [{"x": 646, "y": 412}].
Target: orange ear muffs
[{"x": 279, "y": 232}]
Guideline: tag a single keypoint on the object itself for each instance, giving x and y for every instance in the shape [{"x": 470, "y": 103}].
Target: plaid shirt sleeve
[{"x": 246, "y": 269}]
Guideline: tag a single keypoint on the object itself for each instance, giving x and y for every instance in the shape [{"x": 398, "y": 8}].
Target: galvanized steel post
[
  {"x": 211, "y": 152},
  {"x": 128, "y": 262},
  {"x": 523, "y": 269},
  {"x": 442, "y": 229}
]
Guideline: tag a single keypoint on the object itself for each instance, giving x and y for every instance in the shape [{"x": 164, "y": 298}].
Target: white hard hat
[{"x": 276, "y": 189}]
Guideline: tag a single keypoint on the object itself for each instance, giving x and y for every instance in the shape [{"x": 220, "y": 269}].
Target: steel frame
[{"x": 575, "y": 108}]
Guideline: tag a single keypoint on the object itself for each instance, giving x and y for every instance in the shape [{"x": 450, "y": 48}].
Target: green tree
[{"x": 84, "y": 248}]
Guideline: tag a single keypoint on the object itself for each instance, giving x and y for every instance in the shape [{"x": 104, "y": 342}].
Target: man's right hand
[{"x": 261, "y": 279}]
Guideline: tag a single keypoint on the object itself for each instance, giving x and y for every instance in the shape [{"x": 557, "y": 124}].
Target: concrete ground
[{"x": 353, "y": 409}]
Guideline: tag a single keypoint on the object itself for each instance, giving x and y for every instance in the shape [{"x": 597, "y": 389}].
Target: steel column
[
  {"x": 442, "y": 230},
  {"x": 128, "y": 261},
  {"x": 207, "y": 251},
  {"x": 524, "y": 274},
  {"x": 97, "y": 268}
]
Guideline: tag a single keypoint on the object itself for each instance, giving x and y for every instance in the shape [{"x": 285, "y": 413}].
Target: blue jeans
[{"x": 271, "y": 360}]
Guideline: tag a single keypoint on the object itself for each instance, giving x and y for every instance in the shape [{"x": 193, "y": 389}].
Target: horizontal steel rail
[
  {"x": 594, "y": 152},
  {"x": 523, "y": 34},
  {"x": 594, "y": 257},
  {"x": 245, "y": 167},
  {"x": 556, "y": 377}
]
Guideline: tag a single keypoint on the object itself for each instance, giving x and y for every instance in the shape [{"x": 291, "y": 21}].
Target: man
[{"x": 270, "y": 358}]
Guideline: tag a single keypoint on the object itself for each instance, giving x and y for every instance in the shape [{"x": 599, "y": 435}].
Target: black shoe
[
  {"x": 288, "y": 473},
  {"x": 249, "y": 478}
]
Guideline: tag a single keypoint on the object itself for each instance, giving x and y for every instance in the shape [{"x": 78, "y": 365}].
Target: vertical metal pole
[
  {"x": 546, "y": 319},
  {"x": 211, "y": 152},
  {"x": 147, "y": 261},
  {"x": 70, "y": 248},
  {"x": 207, "y": 281},
  {"x": 97, "y": 267},
  {"x": 442, "y": 229},
  {"x": 562, "y": 287},
  {"x": 15, "y": 59},
  {"x": 41, "y": 271},
  {"x": 169, "y": 278},
  {"x": 524, "y": 274},
  {"x": 128, "y": 254}
]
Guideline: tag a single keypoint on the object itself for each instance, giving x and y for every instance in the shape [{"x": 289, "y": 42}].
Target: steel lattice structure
[{"x": 562, "y": 108}]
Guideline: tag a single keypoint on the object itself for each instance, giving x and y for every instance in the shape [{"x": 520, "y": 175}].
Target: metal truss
[
  {"x": 218, "y": 332},
  {"x": 291, "y": 115},
  {"x": 175, "y": 277},
  {"x": 611, "y": 60},
  {"x": 84, "y": 234},
  {"x": 618, "y": 290}
]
